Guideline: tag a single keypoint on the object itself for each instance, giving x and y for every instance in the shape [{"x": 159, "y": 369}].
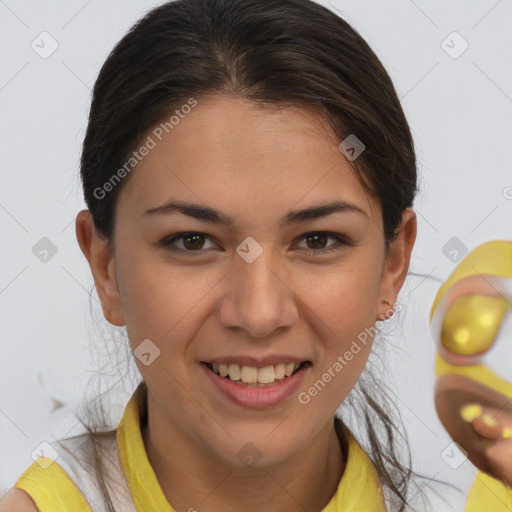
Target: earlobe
[
  {"x": 102, "y": 264},
  {"x": 390, "y": 311},
  {"x": 397, "y": 261}
]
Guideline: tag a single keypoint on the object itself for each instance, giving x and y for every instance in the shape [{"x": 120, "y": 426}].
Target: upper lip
[{"x": 258, "y": 362}]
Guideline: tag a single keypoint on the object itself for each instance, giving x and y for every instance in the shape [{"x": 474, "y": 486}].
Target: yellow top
[{"x": 52, "y": 489}]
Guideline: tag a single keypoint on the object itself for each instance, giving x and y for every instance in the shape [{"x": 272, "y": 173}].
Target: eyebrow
[{"x": 207, "y": 214}]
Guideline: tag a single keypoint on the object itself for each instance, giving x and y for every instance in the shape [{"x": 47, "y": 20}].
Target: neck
[{"x": 307, "y": 480}]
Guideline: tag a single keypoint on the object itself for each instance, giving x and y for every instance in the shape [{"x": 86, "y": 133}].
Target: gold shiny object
[
  {"x": 472, "y": 323},
  {"x": 489, "y": 258}
]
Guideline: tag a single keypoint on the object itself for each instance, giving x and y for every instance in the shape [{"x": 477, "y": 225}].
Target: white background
[{"x": 460, "y": 113}]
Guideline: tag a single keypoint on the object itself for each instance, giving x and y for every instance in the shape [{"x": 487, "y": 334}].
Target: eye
[
  {"x": 319, "y": 238},
  {"x": 192, "y": 243}
]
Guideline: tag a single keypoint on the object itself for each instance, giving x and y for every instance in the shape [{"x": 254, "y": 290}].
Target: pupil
[
  {"x": 318, "y": 239},
  {"x": 195, "y": 244}
]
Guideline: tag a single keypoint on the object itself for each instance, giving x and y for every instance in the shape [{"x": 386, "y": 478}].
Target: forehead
[{"x": 229, "y": 152}]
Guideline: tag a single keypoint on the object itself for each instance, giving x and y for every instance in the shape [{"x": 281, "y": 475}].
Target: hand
[
  {"x": 495, "y": 425},
  {"x": 479, "y": 419}
]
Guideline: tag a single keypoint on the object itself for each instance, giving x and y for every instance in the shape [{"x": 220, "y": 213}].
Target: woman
[{"x": 249, "y": 176}]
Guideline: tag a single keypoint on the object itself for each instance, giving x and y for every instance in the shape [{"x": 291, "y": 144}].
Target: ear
[
  {"x": 102, "y": 263},
  {"x": 396, "y": 264}
]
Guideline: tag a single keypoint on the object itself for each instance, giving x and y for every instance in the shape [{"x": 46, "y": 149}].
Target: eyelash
[{"x": 340, "y": 242}]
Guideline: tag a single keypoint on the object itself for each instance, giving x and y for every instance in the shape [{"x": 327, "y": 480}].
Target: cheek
[
  {"x": 148, "y": 294},
  {"x": 347, "y": 303},
  {"x": 344, "y": 297},
  {"x": 160, "y": 299}
]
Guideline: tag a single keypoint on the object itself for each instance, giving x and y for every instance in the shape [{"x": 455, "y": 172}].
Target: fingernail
[
  {"x": 489, "y": 420},
  {"x": 470, "y": 412},
  {"x": 507, "y": 432}
]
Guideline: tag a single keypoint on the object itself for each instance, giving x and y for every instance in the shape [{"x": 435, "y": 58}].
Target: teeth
[
  {"x": 266, "y": 375},
  {"x": 279, "y": 371},
  {"x": 248, "y": 374},
  {"x": 234, "y": 372},
  {"x": 253, "y": 375},
  {"x": 289, "y": 368}
]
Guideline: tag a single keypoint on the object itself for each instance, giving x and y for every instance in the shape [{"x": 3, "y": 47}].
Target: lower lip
[{"x": 257, "y": 398}]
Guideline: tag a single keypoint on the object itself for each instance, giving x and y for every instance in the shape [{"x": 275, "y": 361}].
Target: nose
[{"x": 258, "y": 297}]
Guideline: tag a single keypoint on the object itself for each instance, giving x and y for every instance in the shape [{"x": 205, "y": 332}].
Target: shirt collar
[{"x": 358, "y": 489}]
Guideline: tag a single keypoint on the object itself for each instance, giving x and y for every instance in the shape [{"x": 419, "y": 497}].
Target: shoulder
[
  {"x": 17, "y": 500},
  {"x": 51, "y": 485}
]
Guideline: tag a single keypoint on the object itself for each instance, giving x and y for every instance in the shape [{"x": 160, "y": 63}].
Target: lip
[
  {"x": 253, "y": 397},
  {"x": 258, "y": 362}
]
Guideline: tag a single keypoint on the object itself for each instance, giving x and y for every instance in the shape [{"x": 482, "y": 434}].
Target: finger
[
  {"x": 488, "y": 427},
  {"x": 488, "y": 422},
  {"x": 500, "y": 460}
]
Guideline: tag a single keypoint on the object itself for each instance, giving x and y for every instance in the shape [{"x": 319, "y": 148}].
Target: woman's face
[{"x": 254, "y": 292}]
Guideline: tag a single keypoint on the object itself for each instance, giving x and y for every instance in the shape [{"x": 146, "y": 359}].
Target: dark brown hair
[{"x": 272, "y": 53}]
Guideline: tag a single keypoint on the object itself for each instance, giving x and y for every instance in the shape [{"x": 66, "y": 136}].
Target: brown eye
[
  {"x": 317, "y": 241},
  {"x": 193, "y": 241},
  {"x": 190, "y": 243},
  {"x": 193, "y": 244}
]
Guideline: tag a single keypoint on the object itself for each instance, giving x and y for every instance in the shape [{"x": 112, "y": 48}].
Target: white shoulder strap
[{"x": 74, "y": 457}]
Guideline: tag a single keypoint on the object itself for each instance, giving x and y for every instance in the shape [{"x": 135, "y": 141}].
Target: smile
[
  {"x": 253, "y": 376},
  {"x": 255, "y": 387}
]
